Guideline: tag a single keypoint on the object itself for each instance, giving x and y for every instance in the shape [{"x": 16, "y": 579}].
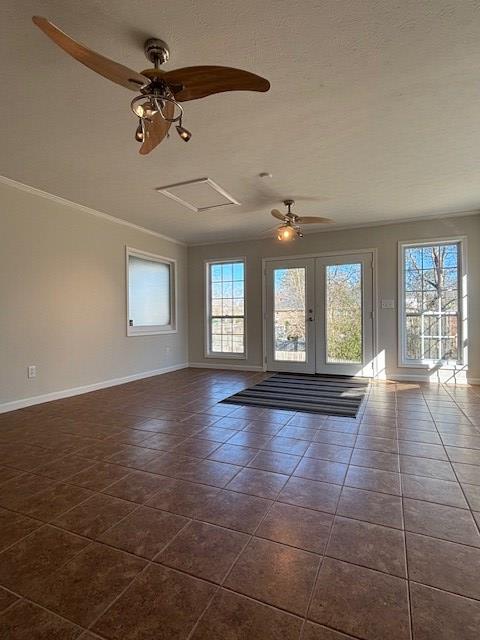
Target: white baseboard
[
  {"x": 220, "y": 365},
  {"x": 446, "y": 378},
  {"x": 75, "y": 391}
]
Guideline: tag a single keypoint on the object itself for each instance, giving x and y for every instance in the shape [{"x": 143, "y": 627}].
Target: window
[
  {"x": 150, "y": 294},
  {"x": 226, "y": 309},
  {"x": 431, "y": 303}
]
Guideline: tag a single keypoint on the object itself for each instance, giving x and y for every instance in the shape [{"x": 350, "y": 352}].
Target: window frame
[
  {"x": 208, "y": 316},
  {"x": 435, "y": 363},
  {"x": 133, "y": 331}
]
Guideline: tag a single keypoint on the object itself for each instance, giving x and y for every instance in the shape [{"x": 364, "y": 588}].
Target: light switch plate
[{"x": 388, "y": 304}]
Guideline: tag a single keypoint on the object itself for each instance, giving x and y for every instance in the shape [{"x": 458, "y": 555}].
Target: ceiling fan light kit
[
  {"x": 287, "y": 232},
  {"x": 156, "y": 98},
  {"x": 182, "y": 132},
  {"x": 290, "y": 229},
  {"x": 157, "y": 105}
]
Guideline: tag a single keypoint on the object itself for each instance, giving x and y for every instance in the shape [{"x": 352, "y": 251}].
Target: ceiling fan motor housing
[{"x": 156, "y": 51}]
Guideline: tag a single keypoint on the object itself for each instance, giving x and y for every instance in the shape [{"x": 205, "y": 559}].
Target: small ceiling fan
[
  {"x": 291, "y": 222},
  {"x": 160, "y": 93}
]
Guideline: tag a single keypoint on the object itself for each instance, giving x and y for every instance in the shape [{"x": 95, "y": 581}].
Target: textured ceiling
[{"x": 373, "y": 114}]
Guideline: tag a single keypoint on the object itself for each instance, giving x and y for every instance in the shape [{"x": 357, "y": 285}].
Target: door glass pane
[
  {"x": 344, "y": 313},
  {"x": 289, "y": 314}
]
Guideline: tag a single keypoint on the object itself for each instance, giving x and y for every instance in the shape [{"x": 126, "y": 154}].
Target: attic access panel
[{"x": 198, "y": 195}]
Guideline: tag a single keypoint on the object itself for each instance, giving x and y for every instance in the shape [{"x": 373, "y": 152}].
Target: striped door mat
[{"x": 330, "y": 395}]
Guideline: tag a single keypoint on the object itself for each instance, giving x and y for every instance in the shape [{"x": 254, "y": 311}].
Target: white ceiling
[{"x": 373, "y": 114}]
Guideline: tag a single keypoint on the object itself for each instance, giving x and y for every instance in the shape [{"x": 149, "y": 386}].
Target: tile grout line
[
  {"x": 88, "y": 544},
  {"x": 185, "y": 573},
  {"x": 251, "y": 537},
  {"x": 131, "y": 470},
  {"x": 330, "y": 533},
  {"x": 40, "y": 606},
  {"x": 148, "y": 564},
  {"x": 476, "y": 524},
  {"x": 306, "y": 618},
  {"x": 405, "y": 550}
]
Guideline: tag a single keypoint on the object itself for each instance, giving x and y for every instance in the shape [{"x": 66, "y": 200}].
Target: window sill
[
  {"x": 434, "y": 364},
  {"x": 227, "y": 356},
  {"x": 132, "y": 332}
]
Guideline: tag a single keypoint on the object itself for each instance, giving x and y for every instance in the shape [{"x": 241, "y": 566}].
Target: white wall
[
  {"x": 62, "y": 298},
  {"x": 384, "y": 238},
  {"x": 63, "y": 303}
]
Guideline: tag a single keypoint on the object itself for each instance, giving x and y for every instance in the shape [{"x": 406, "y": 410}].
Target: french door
[
  {"x": 319, "y": 315},
  {"x": 290, "y": 305}
]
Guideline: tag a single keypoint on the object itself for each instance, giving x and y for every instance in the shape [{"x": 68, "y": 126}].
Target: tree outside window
[{"x": 431, "y": 301}]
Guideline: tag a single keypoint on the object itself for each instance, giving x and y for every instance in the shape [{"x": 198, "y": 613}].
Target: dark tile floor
[{"x": 150, "y": 511}]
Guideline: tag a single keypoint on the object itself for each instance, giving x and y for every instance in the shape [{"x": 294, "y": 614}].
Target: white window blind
[{"x": 150, "y": 294}]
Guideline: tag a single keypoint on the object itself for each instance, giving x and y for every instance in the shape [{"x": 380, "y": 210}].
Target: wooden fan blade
[
  {"x": 157, "y": 129},
  {"x": 191, "y": 83},
  {"x": 313, "y": 220},
  {"x": 104, "y": 66},
  {"x": 278, "y": 214}
]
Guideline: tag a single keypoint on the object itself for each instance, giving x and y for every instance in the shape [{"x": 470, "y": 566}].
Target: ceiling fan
[
  {"x": 290, "y": 228},
  {"x": 160, "y": 93}
]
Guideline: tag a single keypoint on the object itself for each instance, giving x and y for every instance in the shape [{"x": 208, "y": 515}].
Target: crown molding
[
  {"x": 84, "y": 209},
  {"x": 344, "y": 227},
  {"x": 106, "y": 216}
]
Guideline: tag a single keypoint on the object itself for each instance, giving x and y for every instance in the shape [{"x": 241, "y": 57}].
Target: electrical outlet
[
  {"x": 168, "y": 348},
  {"x": 32, "y": 371}
]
